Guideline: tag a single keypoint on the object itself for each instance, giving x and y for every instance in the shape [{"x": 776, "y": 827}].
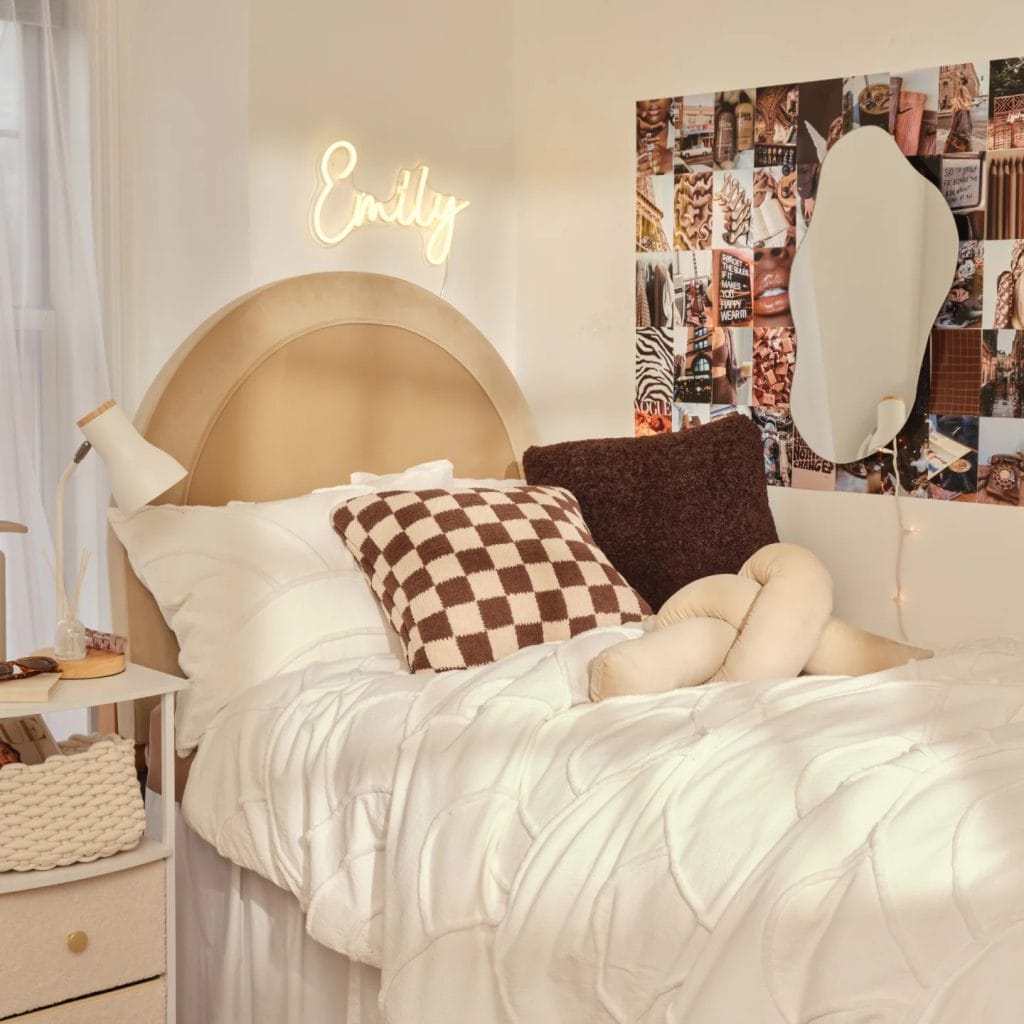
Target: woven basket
[{"x": 78, "y": 806}]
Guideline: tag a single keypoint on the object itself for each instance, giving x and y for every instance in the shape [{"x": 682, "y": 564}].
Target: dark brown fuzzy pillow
[{"x": 670, "y": 509}]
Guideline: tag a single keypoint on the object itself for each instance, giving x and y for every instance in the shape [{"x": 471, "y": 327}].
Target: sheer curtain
[{"x": 53, "y": 366}]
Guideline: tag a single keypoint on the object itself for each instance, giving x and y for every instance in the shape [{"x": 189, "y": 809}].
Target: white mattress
[
  {"x": 788, "y": 851},
  {"x": 244, "y": 956}
]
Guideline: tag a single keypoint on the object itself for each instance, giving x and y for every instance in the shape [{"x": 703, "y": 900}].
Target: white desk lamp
[
  {"x": 5, "y": 527},
  {"x": 139, "y": 472}
]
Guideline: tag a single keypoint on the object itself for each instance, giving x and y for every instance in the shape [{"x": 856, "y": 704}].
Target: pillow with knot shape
[{"x": 772, "y": 620}]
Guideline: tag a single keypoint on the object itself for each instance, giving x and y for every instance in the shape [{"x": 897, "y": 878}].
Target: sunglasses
[{"x": 24, "y": 668}]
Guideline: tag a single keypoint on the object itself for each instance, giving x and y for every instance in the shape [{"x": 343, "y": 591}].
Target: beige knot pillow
[{"x": 772, "y": 620}]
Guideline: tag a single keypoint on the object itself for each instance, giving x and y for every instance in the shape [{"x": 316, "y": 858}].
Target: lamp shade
[{"x": 139, "y": 471}]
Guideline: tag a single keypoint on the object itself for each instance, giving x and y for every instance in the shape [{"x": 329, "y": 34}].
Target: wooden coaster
[{"x": 95, "y": 665}]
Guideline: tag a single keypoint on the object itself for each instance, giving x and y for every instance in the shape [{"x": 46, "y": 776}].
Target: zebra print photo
[
  {"x": 654, "y": 371},
  {"x": 656, "y": 317}
]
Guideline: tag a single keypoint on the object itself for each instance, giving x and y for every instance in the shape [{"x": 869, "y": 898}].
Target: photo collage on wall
[{"x": 725, "y": 190}]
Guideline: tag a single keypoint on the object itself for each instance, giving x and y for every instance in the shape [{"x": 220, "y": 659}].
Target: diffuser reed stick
[{"x": 83, "y": 567}]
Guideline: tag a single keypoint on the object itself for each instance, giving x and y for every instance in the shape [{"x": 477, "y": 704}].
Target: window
[
  {"x": 702, "y": 365},
  {"x": 23, "y": 154},
  {"x": 47, "y": 295},
  {"x": 23, "y": 174}
]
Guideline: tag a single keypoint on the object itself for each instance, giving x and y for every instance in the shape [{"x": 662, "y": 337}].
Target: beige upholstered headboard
[{"x": 299, "y": 383}]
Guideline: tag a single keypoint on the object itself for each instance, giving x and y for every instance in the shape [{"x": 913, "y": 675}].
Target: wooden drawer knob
[{"x": 77, "y": 941}]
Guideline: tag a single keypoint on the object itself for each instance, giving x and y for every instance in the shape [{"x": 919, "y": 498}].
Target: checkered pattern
[
  {"x": 468, "y": 576},
  {"x": 955, "y": 372}
]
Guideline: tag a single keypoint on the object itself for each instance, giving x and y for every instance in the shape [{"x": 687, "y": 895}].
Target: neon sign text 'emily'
[{"x": 412, "y": 204}]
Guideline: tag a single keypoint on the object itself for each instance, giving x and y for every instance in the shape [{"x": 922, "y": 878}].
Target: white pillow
[
  {"x": 494, "y": 485},
  {"x": 398, "y": 481},
  {"x": 253, "y": 589},
  {"x": 385, "y": 483}
]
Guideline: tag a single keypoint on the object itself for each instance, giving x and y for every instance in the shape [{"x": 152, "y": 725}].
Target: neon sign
[{"x": 412, "y": 203}]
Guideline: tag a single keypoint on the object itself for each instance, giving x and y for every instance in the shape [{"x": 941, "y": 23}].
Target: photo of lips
[{"x": 771, "y": 286}]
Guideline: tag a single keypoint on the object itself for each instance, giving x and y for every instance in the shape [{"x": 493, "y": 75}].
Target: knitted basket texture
[{"x": 77, "y": 806}]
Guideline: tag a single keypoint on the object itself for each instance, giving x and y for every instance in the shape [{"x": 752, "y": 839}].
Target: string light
[
  {"x": 899, "y": 598},
  {"x": 412, "y": 203}
]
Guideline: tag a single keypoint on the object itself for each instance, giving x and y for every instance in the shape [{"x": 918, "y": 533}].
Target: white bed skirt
[{"x": 243, "y": 953}]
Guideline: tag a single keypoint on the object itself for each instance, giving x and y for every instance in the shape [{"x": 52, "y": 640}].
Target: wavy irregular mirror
[{"x": 865, "y": 287}]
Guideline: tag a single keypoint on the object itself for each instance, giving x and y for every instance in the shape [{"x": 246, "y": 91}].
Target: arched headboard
[{"x": 301, "y": 382}]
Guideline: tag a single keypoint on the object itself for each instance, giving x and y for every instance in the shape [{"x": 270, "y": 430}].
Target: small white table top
[{"x": 134, "y": 683}]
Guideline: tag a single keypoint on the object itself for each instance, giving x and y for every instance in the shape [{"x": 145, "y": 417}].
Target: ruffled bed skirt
[{"x": 243, "y": 953}]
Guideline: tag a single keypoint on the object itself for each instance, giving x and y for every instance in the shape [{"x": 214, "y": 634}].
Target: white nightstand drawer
[
  {"x": 139, "y": 1004},
  {"x": 121, "y": 917}
]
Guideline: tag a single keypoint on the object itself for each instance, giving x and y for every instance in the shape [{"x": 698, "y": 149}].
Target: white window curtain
[{"x": 52, "y": 360}]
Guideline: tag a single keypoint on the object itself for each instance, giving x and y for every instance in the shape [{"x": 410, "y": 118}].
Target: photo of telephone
[{"x": 1004, "y": 478}]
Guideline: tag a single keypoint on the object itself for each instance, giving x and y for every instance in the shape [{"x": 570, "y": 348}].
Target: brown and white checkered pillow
[{"x": 467, "y": 576}]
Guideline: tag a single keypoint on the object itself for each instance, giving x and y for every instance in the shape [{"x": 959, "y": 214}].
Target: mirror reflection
[{"x": 864, "y": 288}]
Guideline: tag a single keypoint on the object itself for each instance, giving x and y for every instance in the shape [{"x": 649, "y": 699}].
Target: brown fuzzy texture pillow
[{"x": 670, "y": 509}]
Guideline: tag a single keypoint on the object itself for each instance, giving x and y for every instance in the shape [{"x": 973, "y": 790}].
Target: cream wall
[
  {"x": 526, "y": 109},
  {"x": 580, "y": 67},
  {"x": 225, "y": 108},
  {"x": 184, "y": 167},
  {"x": 404, "y": 82}
]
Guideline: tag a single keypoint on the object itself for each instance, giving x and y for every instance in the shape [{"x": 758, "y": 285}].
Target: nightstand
[{"x": 94, "y": 943}]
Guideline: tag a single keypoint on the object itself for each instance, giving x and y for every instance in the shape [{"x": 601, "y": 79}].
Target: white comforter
[{"x": 840, "y": 850}]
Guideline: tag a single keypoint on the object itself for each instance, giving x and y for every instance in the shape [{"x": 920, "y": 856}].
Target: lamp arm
[{"x": 58, "y": 540}]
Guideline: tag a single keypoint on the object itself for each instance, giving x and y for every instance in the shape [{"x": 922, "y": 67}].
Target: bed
[
  {"x": 355, "y": 371},
  {"x": 492, "y": 846}
]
